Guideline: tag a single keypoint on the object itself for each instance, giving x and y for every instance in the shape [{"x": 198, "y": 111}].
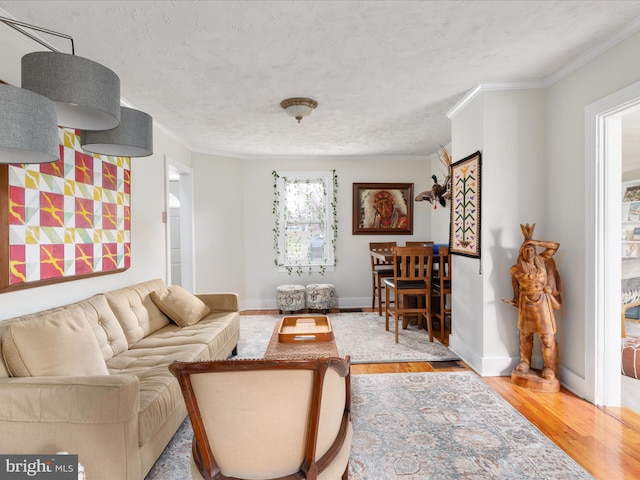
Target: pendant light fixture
[
  {"x": 86, "y": 94},
  {"x": 132, "y": 138},
  {"x": 28, "y": 127}
]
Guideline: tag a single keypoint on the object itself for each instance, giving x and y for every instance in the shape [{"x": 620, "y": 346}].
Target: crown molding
[
  {"x": 587, "y": 56},
  {"x": 489, "y": 87},
  {"x": 584, "y": 58},
  {"x": 339, "y": 156}
]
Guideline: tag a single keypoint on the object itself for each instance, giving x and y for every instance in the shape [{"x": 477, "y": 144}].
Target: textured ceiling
[{"x": 384, "y": 73}]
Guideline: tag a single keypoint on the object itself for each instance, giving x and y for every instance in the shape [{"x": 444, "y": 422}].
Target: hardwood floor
[{"x": 605, "y": 441}]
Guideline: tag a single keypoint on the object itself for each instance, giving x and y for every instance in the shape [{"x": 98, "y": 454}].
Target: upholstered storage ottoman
[
  {"x": 321, "y": 296},
  {"x": 631, "y": 357},
  {"x": 290, "y": 298}
]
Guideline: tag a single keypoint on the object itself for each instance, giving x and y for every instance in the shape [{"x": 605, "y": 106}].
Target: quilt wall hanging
[
  {"x": 465, "y": 206},
  {"x": 64, "y": 220}
]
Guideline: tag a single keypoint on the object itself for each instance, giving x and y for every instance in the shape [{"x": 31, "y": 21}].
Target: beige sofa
[{"x": 92, "y": 377}]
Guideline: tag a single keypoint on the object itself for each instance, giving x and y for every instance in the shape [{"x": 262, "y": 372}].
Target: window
[{"x": 306, "y": 228}]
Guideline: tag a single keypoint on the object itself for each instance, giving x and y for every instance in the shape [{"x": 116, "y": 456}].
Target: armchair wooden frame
[
  {"x": 413, "y": 269},
  {"x": 202, "y": 454}
]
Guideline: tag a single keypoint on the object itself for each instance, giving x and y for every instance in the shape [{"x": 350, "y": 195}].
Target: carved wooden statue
[{"x": 536, "y": 293}]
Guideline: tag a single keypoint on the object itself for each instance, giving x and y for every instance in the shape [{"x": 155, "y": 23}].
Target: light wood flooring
[{"x": 605, "y": 441}]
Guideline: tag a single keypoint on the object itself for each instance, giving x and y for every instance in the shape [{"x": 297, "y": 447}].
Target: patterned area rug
[
  {"x": 361, "y": 335},
  {"x": 439, "y": 426},
  {"x": 446, "y": 426}
]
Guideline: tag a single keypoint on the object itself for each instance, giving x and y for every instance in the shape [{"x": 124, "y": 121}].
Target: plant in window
[{"x": 305, "y": 229}]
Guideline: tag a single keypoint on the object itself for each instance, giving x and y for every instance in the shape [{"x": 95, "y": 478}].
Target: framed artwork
[
  {"x": 634, "y": 212},
  {"x": 382, "y": 208},
  {"x": 64, "y": 220},
  {"x": 465, "y": 206},
  {"x": 632, "y": 194}
]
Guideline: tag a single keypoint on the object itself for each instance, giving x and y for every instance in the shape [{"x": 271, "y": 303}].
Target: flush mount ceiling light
[
  {"x": 132, "y": 138},
  {"x": 299, "y": 107},
  {"x": 28, "y": 127}
]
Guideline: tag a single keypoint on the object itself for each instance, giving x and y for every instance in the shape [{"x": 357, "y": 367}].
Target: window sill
[{"x": 306, "y": 268}]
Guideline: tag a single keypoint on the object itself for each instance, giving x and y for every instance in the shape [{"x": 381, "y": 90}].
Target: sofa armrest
[
  {"x": 221, "y": 302},
  {"x": 87, "y": 399},
  {"x": 95, "y": 417}
]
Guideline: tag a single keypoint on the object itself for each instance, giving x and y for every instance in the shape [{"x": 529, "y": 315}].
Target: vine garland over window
[{"x": 306, "y": 224}]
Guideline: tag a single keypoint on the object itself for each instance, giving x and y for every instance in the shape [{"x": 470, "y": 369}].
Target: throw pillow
[
  {"x": 179, "y": 305},
  {"x": 58, "y": 344}
]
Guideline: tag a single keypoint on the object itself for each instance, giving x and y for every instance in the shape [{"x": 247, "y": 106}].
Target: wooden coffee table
[{"x": 302, "y": 348}]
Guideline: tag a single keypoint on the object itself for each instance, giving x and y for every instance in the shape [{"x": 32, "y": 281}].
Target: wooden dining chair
[
  {"x": 427, "y": 243},
  {"x": 412, "y": 277},
  {"x": 441, "y": 290},
  {"x": 379, "y": 271}
]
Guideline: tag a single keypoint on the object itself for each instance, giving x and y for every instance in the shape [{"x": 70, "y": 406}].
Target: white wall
[
  {"x": 147, "y": 204},
  {"x": 352, "y": 275},
  {"x": 467, "y": 137},
  {"x": 219, "y": 202},
  {"x": 514, "y": 175},
  {"x": 612, "y": 71},
  {"x": 507, "y": 127}
]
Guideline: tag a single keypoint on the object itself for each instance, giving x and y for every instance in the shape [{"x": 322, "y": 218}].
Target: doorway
[
  {"x": 179, "y": 225},
  {"x": 603, "y": 194}
]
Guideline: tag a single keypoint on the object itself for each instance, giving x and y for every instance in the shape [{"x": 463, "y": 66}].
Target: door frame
[
  {"x": 603, "y": 194},
  {"x": 187, "y": 237}
]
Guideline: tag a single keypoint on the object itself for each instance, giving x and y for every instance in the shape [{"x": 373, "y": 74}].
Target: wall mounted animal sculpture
[{"x": 439, "y": 193}]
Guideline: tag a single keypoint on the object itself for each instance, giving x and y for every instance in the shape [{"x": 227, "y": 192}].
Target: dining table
[{"x": 387, "y": 255}]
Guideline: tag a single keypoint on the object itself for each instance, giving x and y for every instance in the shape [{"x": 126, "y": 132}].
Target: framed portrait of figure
[{"x": 382, "y": 208}]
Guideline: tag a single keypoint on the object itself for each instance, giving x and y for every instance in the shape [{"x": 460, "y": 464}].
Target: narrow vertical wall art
[{"x": 465, "y": 206}]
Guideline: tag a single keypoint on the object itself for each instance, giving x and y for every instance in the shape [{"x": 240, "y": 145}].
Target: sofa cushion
[
  {"x": 138, "y": 359},
  {"x": 105, "y": 325},
  {"x": 179, "y": 305},
  {"x": 61, "y": 343},
  {"x": 135, "y": 310},
  {"x": 220, "y": 332},
  {"x": 160, "y": 395}
]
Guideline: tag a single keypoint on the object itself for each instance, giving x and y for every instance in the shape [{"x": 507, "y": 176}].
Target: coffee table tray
[{"x": 305, "y": 329}]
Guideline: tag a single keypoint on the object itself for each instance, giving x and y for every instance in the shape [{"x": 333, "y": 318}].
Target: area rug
[
  {"x": 434, "y": 426},
  {"x": 361, "y": 335}
]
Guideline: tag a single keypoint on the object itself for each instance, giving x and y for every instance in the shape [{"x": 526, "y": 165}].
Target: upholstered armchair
[{"x": 268, "y": 419}]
